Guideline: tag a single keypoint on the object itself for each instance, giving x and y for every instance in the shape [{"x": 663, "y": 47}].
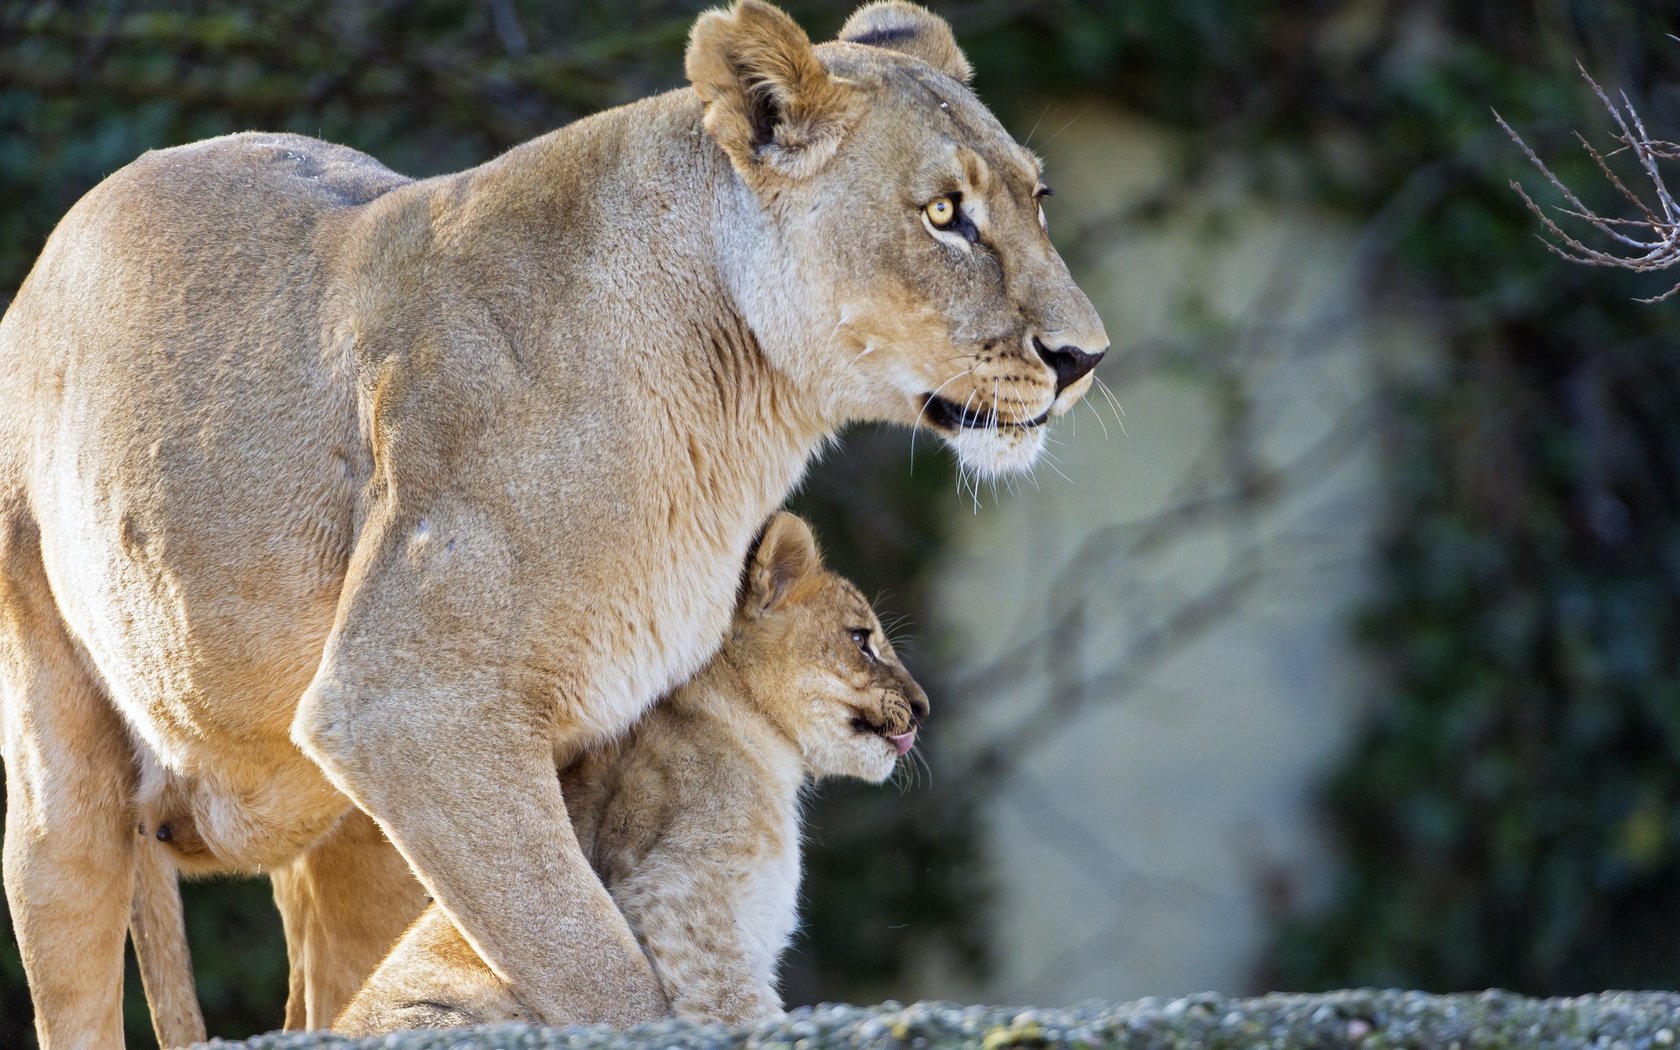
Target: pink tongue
[{"x": 903, "y": 741}]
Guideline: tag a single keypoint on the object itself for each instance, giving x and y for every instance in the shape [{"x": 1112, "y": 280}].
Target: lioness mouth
[{"x": 952, "y": 416}]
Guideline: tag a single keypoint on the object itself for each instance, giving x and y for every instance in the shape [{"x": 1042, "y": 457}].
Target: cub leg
[
  {"x": 343, "y": 904},
  {"x": 687, "y": 918},
  {"x": 69, "y": 849},
  {"x": 431, "y": 979},
  {"x": 686, "y": 914}
]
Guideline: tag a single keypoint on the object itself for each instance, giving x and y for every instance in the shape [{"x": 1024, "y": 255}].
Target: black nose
[
  {"x": 1070, "y": 363},
  {"x": 918, "y": 709}
]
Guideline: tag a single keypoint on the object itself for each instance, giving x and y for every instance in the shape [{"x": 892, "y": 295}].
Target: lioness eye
[{"x": 941, "y": 211}]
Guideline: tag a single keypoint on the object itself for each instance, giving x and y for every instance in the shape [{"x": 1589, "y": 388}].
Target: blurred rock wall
[{"x": 1148, "y": 639}]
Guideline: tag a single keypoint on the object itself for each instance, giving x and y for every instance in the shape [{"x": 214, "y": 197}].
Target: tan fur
[
  {"x": 344, "y": 903},
  {"x": 692, "y": 820},
  {"x": 786, "y": 113},
  {"x": 911, "y": 29},
  {"x": 160, "y": 947},
  {"x": 322, "y": 487}
]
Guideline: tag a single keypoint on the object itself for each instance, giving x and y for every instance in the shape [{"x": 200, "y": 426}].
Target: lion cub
[{"x": 692, "y": 819}]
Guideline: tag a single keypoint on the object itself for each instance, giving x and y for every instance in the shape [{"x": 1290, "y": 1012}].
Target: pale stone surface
[{"x": 1365, "y": 1019}]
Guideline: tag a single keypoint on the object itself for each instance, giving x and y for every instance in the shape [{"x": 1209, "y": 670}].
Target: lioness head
[
  {"x": 896, "y": 261},
  {"x": 813, "y": 657}
]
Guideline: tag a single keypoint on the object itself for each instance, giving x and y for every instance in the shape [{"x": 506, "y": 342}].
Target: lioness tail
[{"x": 159, "y": 931}]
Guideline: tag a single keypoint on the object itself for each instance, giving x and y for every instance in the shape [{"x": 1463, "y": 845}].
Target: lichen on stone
[{"x": 1362, "y": 1019}]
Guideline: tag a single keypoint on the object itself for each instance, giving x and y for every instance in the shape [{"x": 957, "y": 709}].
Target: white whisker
[
  {"x": 994, "y": 425},
  {"x": 1064, "y": 127},
  {"x": 1050, "y": 461},
  {"x": 1095, "y": 412},
  {"x": 924, "y": 764},
  {"x": 1114, "y": 402},
  {"x": 970, "y": 401},
  {"x": 917, "y": 425},
  {"x": 1042, "y": 114}
]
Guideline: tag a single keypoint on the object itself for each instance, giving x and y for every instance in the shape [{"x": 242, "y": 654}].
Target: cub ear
[
  {"x": 786, "y": 555},
  {"x": 912, "y": 29},
  {"x": 769, "y": 101}
]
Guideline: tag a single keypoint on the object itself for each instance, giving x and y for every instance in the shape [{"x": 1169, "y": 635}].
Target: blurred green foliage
[{"x": 1511, "y": 816}]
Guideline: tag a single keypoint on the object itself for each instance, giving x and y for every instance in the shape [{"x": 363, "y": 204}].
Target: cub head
[
  {"x": 890, "y": 252},
  {"x": 814, "y": 659}
]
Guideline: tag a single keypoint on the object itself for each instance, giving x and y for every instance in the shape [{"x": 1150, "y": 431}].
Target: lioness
[
  {"x": 321, "y": 484},
  {"x": 692, "y": 818}
]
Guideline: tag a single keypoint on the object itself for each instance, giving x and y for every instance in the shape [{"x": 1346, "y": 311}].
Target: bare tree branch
[{"x": 1659, "y": 252}]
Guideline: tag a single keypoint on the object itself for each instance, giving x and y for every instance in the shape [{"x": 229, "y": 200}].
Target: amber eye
[{"x": 941, "y": 211}]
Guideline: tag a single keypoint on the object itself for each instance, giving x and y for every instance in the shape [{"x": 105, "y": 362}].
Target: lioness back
[{"x": 691, "y": 819}]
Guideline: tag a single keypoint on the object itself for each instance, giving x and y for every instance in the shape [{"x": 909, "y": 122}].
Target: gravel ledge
[{"x": 1368, "y": 1020}]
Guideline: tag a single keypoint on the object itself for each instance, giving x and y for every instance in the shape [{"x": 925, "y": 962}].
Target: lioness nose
[
  {"x": 918, "y": 709},
  {"x": 1070, "y": 363}
]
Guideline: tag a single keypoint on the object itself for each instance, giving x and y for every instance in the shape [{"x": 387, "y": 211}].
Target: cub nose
[
  {"x": 1070, "y": 363},
  {"x": 918, "y": 709}
]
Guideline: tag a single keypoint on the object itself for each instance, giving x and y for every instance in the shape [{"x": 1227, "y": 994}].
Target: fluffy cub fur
[{"x": 692, "y": 819}]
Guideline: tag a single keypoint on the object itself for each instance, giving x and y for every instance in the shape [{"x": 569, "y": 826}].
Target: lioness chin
[{"x": 322, "y": 485}]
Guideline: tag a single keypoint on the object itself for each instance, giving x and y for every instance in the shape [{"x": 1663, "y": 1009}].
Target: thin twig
[{"x": 1663, "y": 220}]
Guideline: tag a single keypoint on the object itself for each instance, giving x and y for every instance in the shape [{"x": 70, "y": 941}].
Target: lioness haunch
[{"x": 692, "y": 818}]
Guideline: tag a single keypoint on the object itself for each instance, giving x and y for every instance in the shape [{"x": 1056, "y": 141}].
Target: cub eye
[
  {"x": 860, "y": 638},
  {"x": 941, "y": 211}
]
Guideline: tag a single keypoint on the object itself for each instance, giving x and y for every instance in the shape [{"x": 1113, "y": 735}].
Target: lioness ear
[
  {"x": 769, "y": 101},
  {"x": 912, "y": 29},
  {"x": 786, "y": 554}
]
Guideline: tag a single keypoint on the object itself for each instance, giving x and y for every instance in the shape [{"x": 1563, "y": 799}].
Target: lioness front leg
[
  {"x": 437, "y": 710},
  {"x": 467, "y": 791}
]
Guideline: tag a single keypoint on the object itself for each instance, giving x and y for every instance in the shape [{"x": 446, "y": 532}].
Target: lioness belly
[{"x": 195, "y": 464}]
